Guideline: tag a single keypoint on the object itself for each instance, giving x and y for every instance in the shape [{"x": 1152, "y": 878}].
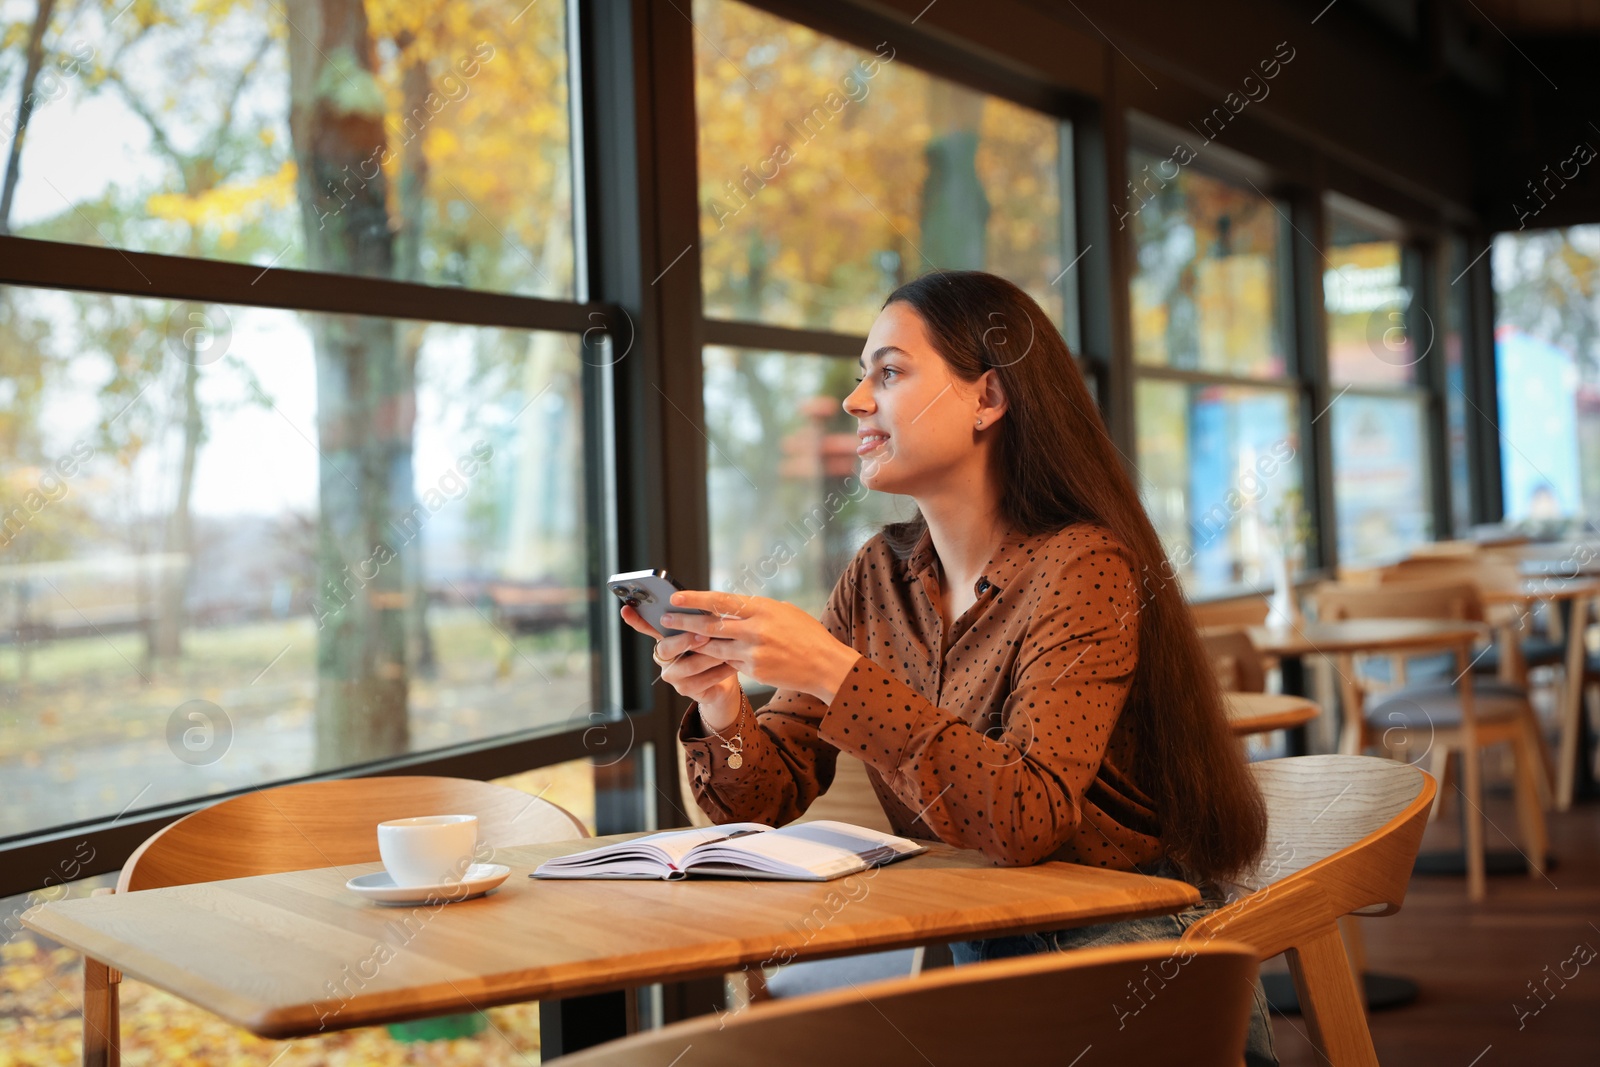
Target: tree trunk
[
  {"x": 167, "y": 632},
  {"x": 25, "y": 104},
  {"x": 365, "y": 400},
  {"x": 955, "y": 210},
  {"x": 415, "y": 84}
]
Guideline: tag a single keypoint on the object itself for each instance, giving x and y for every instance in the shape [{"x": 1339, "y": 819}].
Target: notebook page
[
  {"x": 825, "y": 849},
  {"x": 676, "y": 844},
  {"x": 861, "y": 840},
  {"x": 669, "y": 847}
]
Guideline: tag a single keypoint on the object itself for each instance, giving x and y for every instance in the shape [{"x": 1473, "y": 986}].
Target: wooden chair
[
  {"x": 1234, "y": 612},
  {"x": 1462, "y": 716},
  {"x": 1159, "y": 1002},
  {"x": 1342, "y": 835},
  {"x": 300, "y": 827},
  {"x": 1517, "y": 648},
  {"x": 1235, "y": 660}
]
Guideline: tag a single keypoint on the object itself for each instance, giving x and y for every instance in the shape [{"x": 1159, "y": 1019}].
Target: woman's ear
[{"x": 991, "y": 399}]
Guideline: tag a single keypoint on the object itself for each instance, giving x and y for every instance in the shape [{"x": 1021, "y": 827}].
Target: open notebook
[{"x": 803, "y": 852}]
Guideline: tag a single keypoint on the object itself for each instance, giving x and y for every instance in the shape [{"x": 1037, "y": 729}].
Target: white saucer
[{"x": 479, "y": 879}]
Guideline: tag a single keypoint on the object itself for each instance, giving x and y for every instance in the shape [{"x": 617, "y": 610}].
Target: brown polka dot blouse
[{"x": 1001, "y": 735}]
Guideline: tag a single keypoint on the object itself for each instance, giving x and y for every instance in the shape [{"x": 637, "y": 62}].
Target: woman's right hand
[{"x": 709, "y": 682}]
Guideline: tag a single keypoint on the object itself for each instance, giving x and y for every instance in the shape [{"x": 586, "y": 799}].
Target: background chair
[
  {"x": 1460, "y": 716},
  {"x": 1519, "y": 646},
  {"x": 1234, "y": 612},
  {"x": 1235, "y": 660},
  {"x": 1159, "y": 1002},
  {"x": 301, "y": 827},
  {"x": 1342, "y": 834}
]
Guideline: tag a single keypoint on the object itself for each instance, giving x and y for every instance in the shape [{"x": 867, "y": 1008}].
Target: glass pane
[
  {"x": 419, "y": 142},
  {"x": 1381, "y": 493},
  {"x": 1367, "y": 303},
  {"x": 788, "y": 510},
  {"x": 1547, "y": 357},
  {"x": 1457, "y": 309},
  {"x": 1206, "y": 272},
  {"x": 241, "y": 545},
  {"x": 1215, "y": 462},
  {"x": 829, "y": 174}
]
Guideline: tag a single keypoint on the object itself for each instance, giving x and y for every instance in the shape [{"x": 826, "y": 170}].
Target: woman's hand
[
  {"x": 709, "y": 682},
  {"x": 773, "y": 642}
]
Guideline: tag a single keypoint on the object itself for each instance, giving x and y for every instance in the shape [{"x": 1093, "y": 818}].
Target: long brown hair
[{"x": 1057, "y": 467}]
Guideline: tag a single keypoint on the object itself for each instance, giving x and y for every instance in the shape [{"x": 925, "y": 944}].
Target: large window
[
  {"x": 1216, "y": 410},
  {"x": 423, "y": 142},
  {"x": 1377, "y": 337},
  {"x": 829, "y": 174},
  {"x": 1547, "y": 354}
]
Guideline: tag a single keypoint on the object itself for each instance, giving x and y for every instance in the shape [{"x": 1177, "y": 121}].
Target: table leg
[
  {"x": 1571, "y": 747},
  {"x": 1584, "y": 787},
  {"x": 1454, "y": 862},
  {"x": 1292, "y": 675},
  {"x": 575, "y": 1023}
]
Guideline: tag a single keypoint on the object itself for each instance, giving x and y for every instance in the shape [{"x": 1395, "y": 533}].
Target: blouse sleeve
[
  {"x": 1018, "y": 797},
  {"x": 785, "y": 764}
]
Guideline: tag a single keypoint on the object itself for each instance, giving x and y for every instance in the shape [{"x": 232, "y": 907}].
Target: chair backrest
[
  {"x": 1342, "y": 835},
  {"x": 1131, "y": 1005},
  {"x": 1236, "y": 611},
  {"x": 850, "y": 798},
  {"x": 330, "y": 823},
  {"x": 1453, "y": 599},
  {"x": 1322, "y": 807},
  {"x": 1235, "y": 660},
  {"x": 1458, "y": 549},
  {"x": 1482, "y": 571}
]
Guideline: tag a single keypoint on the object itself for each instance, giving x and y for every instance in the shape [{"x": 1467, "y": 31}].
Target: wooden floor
[{"x": 1478, "y": 966}]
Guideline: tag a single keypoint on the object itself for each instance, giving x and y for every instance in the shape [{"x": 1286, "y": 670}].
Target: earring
[{"x": 979, "y": 424}]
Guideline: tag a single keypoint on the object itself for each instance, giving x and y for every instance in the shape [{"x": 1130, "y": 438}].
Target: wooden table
[
  {"x": 289, "y": 955},
  {"x": 1260, "y": 713}
]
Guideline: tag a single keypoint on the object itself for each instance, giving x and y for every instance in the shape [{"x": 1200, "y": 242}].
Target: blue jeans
[{"x": 1258, "y": 1051}]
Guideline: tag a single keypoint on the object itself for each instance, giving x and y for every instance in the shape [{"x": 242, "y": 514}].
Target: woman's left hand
[{"x": 772, "y": 641}]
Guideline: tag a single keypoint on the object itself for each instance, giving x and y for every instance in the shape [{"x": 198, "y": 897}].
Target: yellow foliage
[
  {"x": 229, "y": 206},
  {"x": 810, "y": 177}
]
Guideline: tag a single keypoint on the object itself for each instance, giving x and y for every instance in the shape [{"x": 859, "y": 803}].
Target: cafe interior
[{"x": 350, "y": 347}]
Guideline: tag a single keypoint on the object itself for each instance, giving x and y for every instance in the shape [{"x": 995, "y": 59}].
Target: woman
[{"x": 1015, "y": 665}]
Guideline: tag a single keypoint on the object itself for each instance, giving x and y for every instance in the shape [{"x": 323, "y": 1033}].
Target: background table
[{"x": 288, "y": 955}]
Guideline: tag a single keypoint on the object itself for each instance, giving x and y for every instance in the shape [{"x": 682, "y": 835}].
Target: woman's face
[{"x": 917, "y": 421}]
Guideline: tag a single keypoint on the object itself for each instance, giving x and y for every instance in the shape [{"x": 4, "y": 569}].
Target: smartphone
[{"x": 650, "y": 594}]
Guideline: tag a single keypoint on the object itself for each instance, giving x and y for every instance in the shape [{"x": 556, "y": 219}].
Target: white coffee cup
[{"x": 428, "y": 850}]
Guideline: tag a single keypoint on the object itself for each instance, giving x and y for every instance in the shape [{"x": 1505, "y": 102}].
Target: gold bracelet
[{"x": 735, "y": 748}]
